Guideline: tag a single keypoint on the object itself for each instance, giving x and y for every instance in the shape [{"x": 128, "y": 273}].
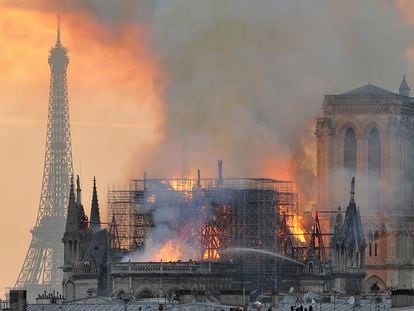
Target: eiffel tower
[{"x": 40, "y": 271}]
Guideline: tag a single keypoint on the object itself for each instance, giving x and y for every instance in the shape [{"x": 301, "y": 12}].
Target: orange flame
[
  {"x": 211, "y": 254},
  {"x": 212, "y": 241},
  {"x": 296, "y": 227},
  {"x": 169, "y": 252}
]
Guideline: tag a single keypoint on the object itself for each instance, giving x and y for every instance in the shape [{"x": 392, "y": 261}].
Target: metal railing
[{"x": 161, "y": 267}]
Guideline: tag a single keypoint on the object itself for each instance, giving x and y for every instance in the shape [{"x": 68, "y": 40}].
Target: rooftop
[{"x": 369, "y": 90}]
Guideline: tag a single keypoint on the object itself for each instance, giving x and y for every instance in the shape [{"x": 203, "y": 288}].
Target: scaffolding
[
  {"x": 242, "y": 212},
  {"x": 225, "y": 213},
  {"x": 133, "y": 220}
]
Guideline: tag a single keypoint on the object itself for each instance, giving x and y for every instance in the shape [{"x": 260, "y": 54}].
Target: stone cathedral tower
[{"x": 369, "y": 133}]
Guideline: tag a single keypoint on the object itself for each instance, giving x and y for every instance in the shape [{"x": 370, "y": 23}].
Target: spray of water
[{"x": 261, "y": 251}]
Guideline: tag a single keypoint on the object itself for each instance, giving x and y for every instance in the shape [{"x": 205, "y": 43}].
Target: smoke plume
[
  {"x": 178, "y": 219},
  {"x": 246, "y": 80}
]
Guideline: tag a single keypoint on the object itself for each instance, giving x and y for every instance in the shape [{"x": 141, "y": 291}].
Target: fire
[
  {"x": 212, "y": 243},
  {"x": 169, "y": 252},
  {"x": 211, "y": 254},
  {"x": 182, "y": 185},
  {"x": 182, "y": 247},
  {"x": 295, "y": 226}
]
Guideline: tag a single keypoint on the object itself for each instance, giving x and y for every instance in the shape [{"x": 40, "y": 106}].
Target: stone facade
[
  {"x": 152, "y": 279},
  {"x": 348, "y": 249},
  {"x": 368, "y": 133},
  {"x": 85, "y": 250},
  {"x": 92, "y": 268}
]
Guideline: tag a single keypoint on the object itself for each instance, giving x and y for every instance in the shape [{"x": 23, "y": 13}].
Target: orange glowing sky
[
  {"x": 114, "y": 108},
  {"x": 238, "y": 80}
]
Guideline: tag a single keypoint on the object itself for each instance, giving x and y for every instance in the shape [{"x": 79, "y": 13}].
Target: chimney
[{"x": 18, "y": 300}]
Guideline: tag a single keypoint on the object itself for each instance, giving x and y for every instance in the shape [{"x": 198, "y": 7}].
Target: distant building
[{"x": 369, "y": 133}]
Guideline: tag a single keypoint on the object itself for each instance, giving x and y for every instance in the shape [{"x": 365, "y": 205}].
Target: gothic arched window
[
  {"x": 350, "y": 152},
  {"x": 374, "y": 153},
  {"x": 374, "y": 168}
]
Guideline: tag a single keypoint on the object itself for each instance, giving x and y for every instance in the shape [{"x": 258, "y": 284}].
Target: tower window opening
[
  {"x": 350, "y": 152},
  {"x": 374, "y": 168}
]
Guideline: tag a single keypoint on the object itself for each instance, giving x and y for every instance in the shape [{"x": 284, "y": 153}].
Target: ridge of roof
[{"x": 369, "y": 90}]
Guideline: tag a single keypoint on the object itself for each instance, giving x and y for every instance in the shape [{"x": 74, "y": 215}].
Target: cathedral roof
[
  {"x": 369, "y": 90},
  {"x": 367, "y": 99}
]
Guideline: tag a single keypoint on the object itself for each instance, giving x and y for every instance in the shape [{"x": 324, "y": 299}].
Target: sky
[{"x": 169, "y": 86}]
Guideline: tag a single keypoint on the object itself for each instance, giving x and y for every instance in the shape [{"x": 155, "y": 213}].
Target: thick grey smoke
[
  {"x": 109, "y": 12},
  {"x": 246, "y": 78},
  {"x": 177, "y": 223}
]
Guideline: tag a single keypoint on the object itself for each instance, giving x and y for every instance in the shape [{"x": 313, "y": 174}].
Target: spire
[
  {"x": 78, "y": 191},
  {"x": 95, "y": 215},
  {"x": 82, "y": 218},
  {"x": 58, "y": 43},
  {"x": 348, "y": 242},
  {"x": 94, "y": 192},
  {"x": 404, "y": 88},
  {"x": 71, "y": 228},
  {"x": 352, "y": 190},
  {"x": 71, "y": 191},
  {"x": 72, "y": 217}
]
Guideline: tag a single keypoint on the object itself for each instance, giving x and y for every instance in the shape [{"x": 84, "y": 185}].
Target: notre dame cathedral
[{"x": 369, "y": 133}]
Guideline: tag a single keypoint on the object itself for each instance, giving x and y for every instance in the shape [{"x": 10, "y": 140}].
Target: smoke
[
  {"x": 240, "y": 81},
  {"x": 246, "y": 80},
  {"x": 111, "y": 13},
  {"x": 113, "y": 80},
  {"x": 407, "y": 10},
  {"x": 177, "y": 224}
]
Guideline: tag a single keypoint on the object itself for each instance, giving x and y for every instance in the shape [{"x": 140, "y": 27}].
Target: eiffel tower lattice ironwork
[{"x": 40, "y": 269}]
